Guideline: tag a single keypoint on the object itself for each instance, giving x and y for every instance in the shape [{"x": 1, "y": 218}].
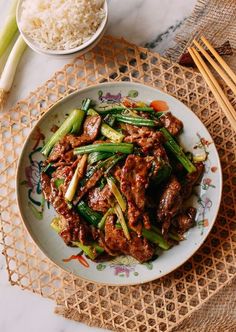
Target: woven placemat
[{"x": 156, "y": 306}]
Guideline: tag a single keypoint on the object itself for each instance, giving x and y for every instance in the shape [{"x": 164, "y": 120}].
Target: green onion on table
[
  {"x": 7, "y": 34},
  {"x": 9, "y": 28}
]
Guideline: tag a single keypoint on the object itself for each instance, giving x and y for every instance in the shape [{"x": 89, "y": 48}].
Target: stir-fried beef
[
  {"x": 59, "y": 151},
  {"x": 138, "y": 247},
  {"x": 66, "y": 172},
  {"x": 99, "y": 200},
  {"x": 171, "y": 123},
  {"x": 67, "y": 159},
  {"x": 46, "y": 186},
  {"x": 145, "y": 137},
  {"x": 117, "y": 172},
  {"x": 170, "y": 203},
  {"x": 146, "y": 221},
  {"x": 134, "y": 181},
  {"x": 90, "y": 131},
  {"x": 148, "y": 139},
  {"x": 154, "y": 183},
  {"x": 90, "y": 183},
  {"x": 76, "y": 229},
  {"x": 191, "y": 179},
  {"x": 185, "y": 220}
]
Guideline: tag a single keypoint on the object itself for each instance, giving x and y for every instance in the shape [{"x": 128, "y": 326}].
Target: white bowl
[{"x": 81, "y": 49}]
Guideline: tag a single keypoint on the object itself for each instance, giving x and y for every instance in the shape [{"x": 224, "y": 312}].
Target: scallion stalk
[
  {"x": 112, "y": 109},
  {"x": 102, "y": 222},
  {"x": 136, "y": 121},
  {"x": 86, "y": 104},
  {"x": 70, "y": 193},
  {"x": 116, "y": 192},
  {"x": 10, "y": 69},
  {"x": 56, "y": 224},
  {"x": 9, "y": 28},
  {"x": 94, "y": 157},
  {"x": 126, "y": 148},
  {"x": 108, "y": 131},
  {"x": 177, "y": 151},
  {"x": 122, "y": 221},
  {"x": 156, "y": 238},
  {"x": 171, "y": 235},
  {"x": 89, "y": 215},
  {"x": 58, "y": 182},
  {"x": 72, "y": 124},
  {"x": 88, "y": 250}
]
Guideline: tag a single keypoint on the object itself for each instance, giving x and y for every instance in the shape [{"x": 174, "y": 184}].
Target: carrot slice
[
  {"x": 159, "y": 105},
  {"x": 78, "y": 257}
]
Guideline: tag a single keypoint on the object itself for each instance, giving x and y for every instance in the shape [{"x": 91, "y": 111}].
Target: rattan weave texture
[{"x": 156, "y": 306}]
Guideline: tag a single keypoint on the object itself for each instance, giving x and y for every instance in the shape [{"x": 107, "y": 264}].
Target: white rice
[{"x": 61, "y": 24}]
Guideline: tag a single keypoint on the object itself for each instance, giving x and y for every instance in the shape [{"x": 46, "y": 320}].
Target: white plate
[{"x": 123, "y": 270}]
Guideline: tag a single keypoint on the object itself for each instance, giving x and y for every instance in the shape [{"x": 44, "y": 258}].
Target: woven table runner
[
  {"x": 216, "y": 20},
  {"x": 160, "y": 305}
]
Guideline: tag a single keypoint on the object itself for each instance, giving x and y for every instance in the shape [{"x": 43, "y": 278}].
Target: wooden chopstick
[
  {"x": 216, "y": 67},
  {"x": 219, "y": 59},
  {"x": 215, "y": 87},
  {"x": 216, "y": 84}
]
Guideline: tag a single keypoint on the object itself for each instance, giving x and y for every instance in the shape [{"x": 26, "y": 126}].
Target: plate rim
[{"x": 17, "y": 185}]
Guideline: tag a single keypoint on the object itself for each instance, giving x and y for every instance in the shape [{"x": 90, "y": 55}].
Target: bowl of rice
[{"x": 62, "y": 27}]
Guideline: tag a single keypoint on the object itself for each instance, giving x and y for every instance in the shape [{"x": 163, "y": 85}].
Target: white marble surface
[{"x": 151, "y": 23}]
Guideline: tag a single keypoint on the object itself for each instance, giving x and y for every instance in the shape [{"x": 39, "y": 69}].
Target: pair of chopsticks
[{"x": 223, "y": 70}]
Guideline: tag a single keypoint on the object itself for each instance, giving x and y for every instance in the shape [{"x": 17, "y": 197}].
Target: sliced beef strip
[
  {"x": 63, "y": 149},
  {"x": 66, "y": 173},
  {"x": 66, "y": 159},
  {"x": 102, "y": 241},
  {"x": 90, "y": 183},
  {"x": 184, "y": 221},
  {"x": 134, "y": 181},
  {"x": 146, "y": 138},
  {"x": 117, "y": 172},
  {"x": 191, "y": 179},
  {"x": 170, "y": 203},
  {"x": 76, "y": 229},
  {"x": 146, "y": 221},
  {"x": 90, "y": 131},
  {"x": 170, "y": 122},
  {"x": 59, "y": 151},
  {"x": 46, "y": 186},
  {"x": 99, "y": 200},
  {"x": 137, "y": 247}
]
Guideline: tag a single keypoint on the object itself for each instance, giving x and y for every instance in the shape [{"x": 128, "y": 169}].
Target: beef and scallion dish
[{"x": 117, "y": 177}]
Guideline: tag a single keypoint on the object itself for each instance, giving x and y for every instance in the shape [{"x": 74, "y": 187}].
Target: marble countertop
[{"x": 150, "y": 23}]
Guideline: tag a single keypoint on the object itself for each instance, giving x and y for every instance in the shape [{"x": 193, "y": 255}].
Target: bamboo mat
[{"x": 160, "y": 305}]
